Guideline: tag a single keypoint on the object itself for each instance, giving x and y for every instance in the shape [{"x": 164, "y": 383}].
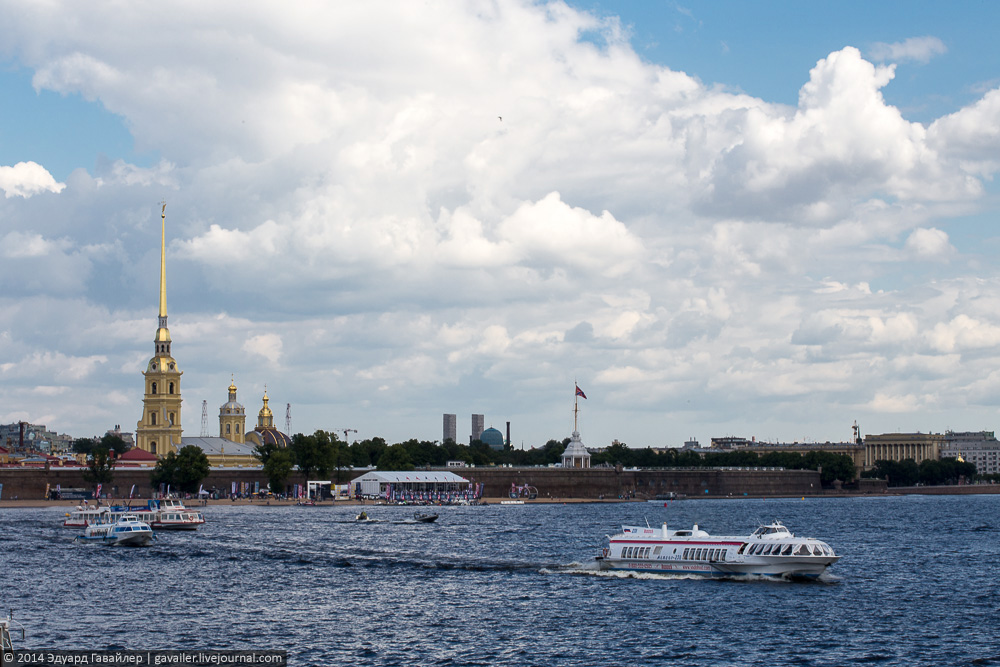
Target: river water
[{"x": 918, "y": 584}]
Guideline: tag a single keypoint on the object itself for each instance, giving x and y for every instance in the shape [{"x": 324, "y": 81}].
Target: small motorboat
[
  {"x": 424, "y": 517},
  {"x": 127, "y": 531},
  {"x": 364, "y": 518}
]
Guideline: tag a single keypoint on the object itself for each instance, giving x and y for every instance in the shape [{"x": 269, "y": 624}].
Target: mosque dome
[{"x": 493, "y": 438}]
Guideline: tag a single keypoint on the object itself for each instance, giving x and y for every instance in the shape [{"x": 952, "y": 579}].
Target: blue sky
[{"x": 758, "y": 219}]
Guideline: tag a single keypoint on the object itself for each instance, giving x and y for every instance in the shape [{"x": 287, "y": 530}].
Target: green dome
[{"x": 493, "y": 438}]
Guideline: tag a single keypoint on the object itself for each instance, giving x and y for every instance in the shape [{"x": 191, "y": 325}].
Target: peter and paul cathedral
[{"x": 158, "y": 431}]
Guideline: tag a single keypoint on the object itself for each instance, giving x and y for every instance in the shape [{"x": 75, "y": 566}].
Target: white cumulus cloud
[{"x": 26, "y": 179}]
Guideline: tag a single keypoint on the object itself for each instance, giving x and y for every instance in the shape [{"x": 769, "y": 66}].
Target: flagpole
[{"x": 576, "y": 405}]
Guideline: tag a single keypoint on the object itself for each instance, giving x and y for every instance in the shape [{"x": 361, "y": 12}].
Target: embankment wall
[
  {"x": 612, "y": 483},
  {"x": 30, "y": 483}
]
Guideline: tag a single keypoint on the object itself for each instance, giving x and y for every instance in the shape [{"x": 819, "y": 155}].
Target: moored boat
[
  {"x": 771, "y": 550},
  {"x": 171, "y": 514},
  {"x": 424, "y": 517},
  {"x": 84, "y": 515},
  {"x": 126, "y": 530},
  {"x": 165, "y": 514}
]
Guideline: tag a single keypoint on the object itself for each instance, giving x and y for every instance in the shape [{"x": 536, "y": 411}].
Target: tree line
[
  {"x": 322, "y": 455},
  {"x": 929, "y": 472}
]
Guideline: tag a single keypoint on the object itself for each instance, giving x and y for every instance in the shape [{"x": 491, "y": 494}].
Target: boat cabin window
[
  {"x": 803, "y": 550},
  {"x": 683, "y": 533},
  {"x": 657, "y": 550},
  {"x": 684, "y": 556},
  {"x": 787, "y": 550}
]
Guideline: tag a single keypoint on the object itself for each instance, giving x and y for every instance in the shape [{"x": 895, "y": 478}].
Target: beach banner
[
  {"x": 132, "y": 492},
  {"x": 234, "y": 488},
  {"x": 1, "y": 490},
  {"x": 98, "y": 494}
]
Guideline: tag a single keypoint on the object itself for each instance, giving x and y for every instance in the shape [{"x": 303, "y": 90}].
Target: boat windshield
[{"x": 771, "y": 530}]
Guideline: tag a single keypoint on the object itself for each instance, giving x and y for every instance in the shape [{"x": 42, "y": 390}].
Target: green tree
[
  {"x": 313, "y": 454},
  {"x": 341, "y": 460},
  {"x": 84, "y": 445},
  {"x": 264, "y": 450},
  {"x": 278, "y": 468},
  {"x": 100, "y": 467},
  {"x": 834, "y": 466},
  {"x": 115, "y": 442},
  {"x": 395, "y": 458},
  {"x": 184, "y": 470}
]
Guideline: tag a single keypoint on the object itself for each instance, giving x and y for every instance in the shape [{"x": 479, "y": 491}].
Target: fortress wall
[
  {"x": 29, "y": 483},
  {"x": 611, "y": 483}
]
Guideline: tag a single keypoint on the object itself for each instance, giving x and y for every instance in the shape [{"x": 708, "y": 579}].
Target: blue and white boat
[
  {"x": 126, "y": 530},
  {"x": 770, "y": 551}
]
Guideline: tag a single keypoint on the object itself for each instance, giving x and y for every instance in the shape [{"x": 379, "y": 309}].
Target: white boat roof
[{"x": 411, "y": 477}]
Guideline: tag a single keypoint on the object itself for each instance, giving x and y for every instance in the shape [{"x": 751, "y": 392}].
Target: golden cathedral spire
[
  {"x": 159, "y": 429},
  {"x": 162, "y": 342},
  {"x": 163, "y": 261}
]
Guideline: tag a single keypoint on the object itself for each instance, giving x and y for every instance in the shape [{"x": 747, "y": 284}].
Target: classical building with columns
[{"x": 902, "y": 446}]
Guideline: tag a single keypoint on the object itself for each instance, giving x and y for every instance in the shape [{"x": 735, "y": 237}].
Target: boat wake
[{"x": 593, "y": 569}]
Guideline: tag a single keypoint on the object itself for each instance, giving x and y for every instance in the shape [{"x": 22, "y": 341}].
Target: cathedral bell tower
[
  {"x": 232, "y": 417},
  {"x": 159, "y": 429}
]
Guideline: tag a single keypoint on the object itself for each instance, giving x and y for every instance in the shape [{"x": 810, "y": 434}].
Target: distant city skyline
[{"x": 719, "y": 219}]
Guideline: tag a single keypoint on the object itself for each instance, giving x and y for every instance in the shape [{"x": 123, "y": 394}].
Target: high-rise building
[
  {"x": 477, "y": 427},
  {"x": 158, "y": 431},
  {"x": 450, "y": 428}
]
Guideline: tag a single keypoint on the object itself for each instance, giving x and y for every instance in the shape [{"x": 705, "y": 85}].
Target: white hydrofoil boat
[{"x": 771, "y": 550}]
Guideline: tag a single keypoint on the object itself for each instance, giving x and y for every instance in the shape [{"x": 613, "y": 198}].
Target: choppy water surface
[{"x": 497, "y": 585}]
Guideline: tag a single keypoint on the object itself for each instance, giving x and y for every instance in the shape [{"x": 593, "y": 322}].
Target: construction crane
[
  {"x": 346, "y": 431},
  {"x": 204, "y": 419}
]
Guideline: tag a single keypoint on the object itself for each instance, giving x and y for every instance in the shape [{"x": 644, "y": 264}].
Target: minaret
[{"x": 159, "y": 430}]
